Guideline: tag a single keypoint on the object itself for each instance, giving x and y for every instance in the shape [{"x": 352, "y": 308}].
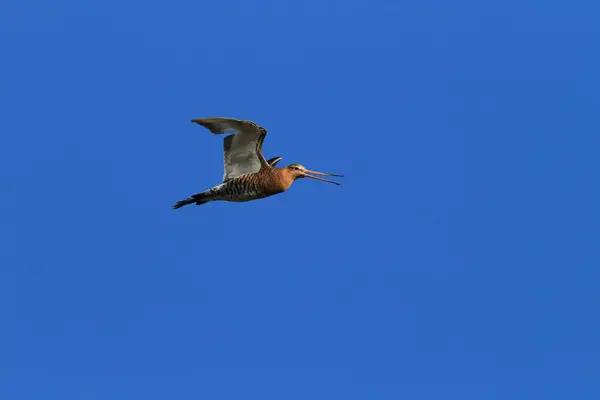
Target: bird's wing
[
  {"x": 273, "y": 161},
  {"x": 242, "y": 150}
]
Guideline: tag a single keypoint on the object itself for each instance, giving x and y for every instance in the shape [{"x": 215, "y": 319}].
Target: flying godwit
[{"x": 248, "y": 175}]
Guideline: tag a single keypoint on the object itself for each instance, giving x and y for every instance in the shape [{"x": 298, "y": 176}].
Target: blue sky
[{"x": 458, "y": 261}]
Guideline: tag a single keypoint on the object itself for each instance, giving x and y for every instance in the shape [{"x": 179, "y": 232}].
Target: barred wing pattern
[{"x": 242, "y": 151}]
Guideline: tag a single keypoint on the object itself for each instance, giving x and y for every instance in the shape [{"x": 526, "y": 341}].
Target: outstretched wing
[
  {"x": 273, "y": 161},
  {"x": 242, "y": 150}
]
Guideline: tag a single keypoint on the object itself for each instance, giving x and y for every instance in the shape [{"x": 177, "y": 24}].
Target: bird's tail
[{"x": 198, "y": 198}]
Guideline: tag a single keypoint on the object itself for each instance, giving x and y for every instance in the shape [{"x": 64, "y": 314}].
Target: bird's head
[{"x": 299, "y": 171}]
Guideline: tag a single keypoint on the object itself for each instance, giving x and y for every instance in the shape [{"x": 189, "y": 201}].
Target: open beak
[{"x": 307, "y": 172}]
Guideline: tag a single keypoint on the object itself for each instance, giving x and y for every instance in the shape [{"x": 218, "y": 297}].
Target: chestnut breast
[{"x": 277, "y": 180}]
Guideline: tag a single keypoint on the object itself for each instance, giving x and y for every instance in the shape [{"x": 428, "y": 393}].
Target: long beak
[
  {"x": 322, "y": 173},
  {"x": 306, "y": 175}
]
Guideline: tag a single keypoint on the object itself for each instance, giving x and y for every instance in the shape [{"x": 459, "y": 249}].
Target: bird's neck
[{"x": 283, "y": 178}]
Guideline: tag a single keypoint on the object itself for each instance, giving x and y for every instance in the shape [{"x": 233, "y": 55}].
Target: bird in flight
[{"x": 248, "y": 175}]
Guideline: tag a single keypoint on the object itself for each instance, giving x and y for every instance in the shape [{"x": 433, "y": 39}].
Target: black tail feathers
[
  {"x": 199, "y": 199},
  {"x": 182, "y": 203}
]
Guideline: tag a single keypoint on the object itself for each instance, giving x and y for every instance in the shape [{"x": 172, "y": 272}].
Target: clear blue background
[{"x": 458, "y": 261}]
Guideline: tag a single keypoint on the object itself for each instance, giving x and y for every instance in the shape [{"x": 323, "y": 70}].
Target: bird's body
[
  {"x": 264, "y": 183},
  {"x": 248, "y": 176},
  {"x": 254, "y": 186}
]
